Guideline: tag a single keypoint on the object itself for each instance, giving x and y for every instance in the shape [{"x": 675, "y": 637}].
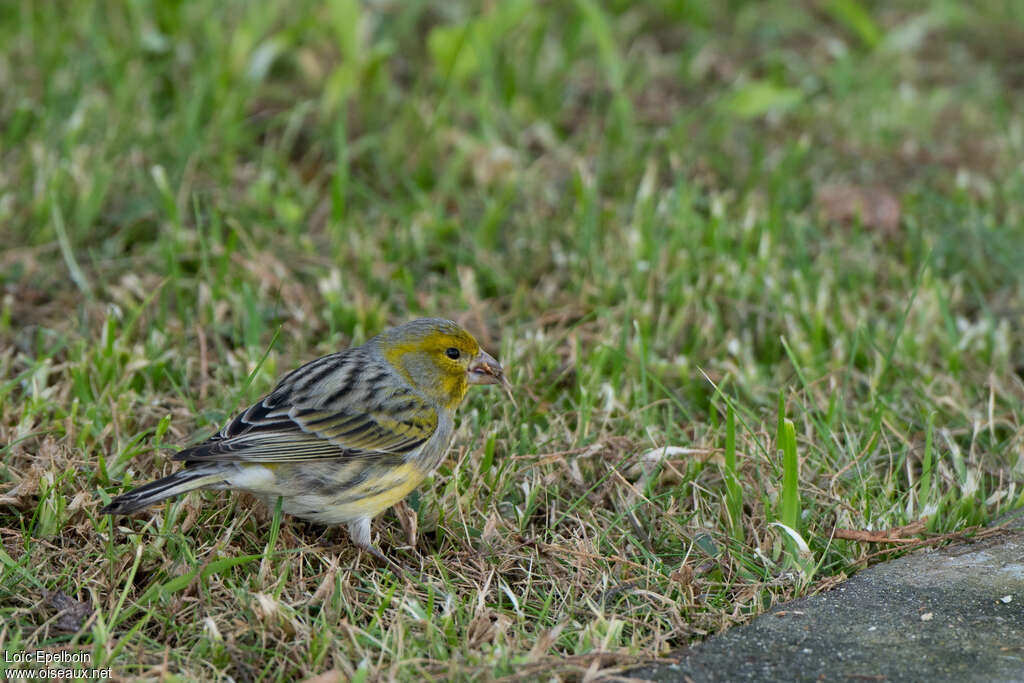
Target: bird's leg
[{"x": 359, "y": 532}]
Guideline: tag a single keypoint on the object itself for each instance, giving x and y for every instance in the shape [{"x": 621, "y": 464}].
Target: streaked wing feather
[{"x": 329, "y": 424}]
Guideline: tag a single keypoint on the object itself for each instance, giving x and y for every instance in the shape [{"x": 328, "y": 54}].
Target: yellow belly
[
  {"x": 376, "y": 495},
  {"x": 332, "y": 492}
]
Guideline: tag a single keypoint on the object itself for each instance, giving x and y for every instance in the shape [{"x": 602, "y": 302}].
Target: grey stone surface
[{"x": 952, "y": 614}]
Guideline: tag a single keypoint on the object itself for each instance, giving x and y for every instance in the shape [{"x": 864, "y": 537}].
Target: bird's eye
[{"x": 452, "y": 353}]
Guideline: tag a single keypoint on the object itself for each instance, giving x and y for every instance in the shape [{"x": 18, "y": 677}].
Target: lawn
[{"x": 755, "y": 270}]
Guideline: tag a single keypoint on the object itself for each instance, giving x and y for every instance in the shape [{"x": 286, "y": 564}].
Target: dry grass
[{"x": 625, "y": 205}]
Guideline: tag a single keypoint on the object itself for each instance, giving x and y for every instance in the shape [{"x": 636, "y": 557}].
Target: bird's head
[{"x": 440, "y": 359}]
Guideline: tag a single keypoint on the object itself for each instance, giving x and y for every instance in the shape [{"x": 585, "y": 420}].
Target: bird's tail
[{"x": 172, "y": 485}]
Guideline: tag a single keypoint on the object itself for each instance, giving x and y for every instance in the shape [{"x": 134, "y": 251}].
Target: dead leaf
[
  {"x": 873, "y": 206},
  {"x": 490, "y": 534},
  {"x": 407, "y": 518},
  {"x": 544, "y": 642},
  {"x": 332, "y": 676},
  {"x": 326, "y": 587},
  {"x": 80, "y": 500},
  {"x": 683, "y": 575},
  {"x": 27, "y": 487},
  {"x": 73, "y": 613},
  {"x": 481, "y": 629}
]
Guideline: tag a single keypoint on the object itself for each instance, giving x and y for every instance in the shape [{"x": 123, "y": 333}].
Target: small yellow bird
[{"x": 345, "y": 437}]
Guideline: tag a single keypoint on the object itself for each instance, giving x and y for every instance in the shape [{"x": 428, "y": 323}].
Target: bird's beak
[{"x": 484, "y": 369}]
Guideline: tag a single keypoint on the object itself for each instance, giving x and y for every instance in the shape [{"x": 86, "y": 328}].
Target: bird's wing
[{"x": 321, "y": 411}]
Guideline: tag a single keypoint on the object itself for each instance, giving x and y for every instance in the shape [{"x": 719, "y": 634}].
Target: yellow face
[{"x": 440, "y": 359}]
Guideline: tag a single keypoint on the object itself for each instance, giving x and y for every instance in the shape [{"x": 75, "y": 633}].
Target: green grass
[{"x": 715, "y": 365}]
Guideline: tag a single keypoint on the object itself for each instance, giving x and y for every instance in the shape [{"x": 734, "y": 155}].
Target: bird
[{"x": 342, "y": 438}]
